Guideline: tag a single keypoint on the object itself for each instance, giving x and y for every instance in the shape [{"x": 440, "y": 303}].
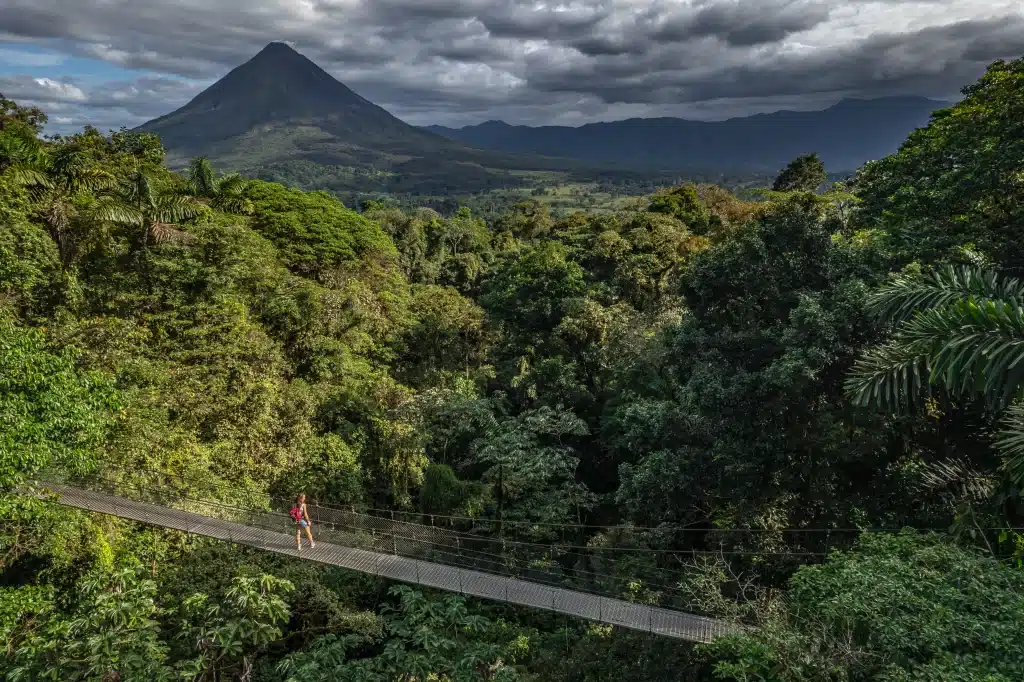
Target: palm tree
[
  {"x": 55, "y": 180},
  {"x": 225, "y": 193},
  {"x": 21, "y": 157},
  {"x": 137, "y": 202},
  {"x": 961, "y": 332}
]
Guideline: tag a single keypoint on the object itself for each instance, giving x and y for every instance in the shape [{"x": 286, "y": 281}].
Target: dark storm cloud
[
  {"x": 743, "y": 24},
  {"x": 935, "y": 58},
  {"x": 526, "y": 60}
]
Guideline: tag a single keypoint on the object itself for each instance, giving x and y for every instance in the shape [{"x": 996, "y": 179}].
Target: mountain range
[
  {"x": 845, "y": 136},
  {"x": 281, "y": 117}
]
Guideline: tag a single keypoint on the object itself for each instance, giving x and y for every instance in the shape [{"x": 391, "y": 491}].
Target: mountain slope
[
  {"x": 279, "y": 85},
  {"x": 844, "y": 135},
  {"x": 279, "y": 115}
]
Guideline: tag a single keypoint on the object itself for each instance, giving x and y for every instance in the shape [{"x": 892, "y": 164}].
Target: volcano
[{"x": 281, "y": 117}]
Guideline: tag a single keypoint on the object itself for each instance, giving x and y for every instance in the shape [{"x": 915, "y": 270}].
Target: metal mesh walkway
[{"x": 267, "y": 532}]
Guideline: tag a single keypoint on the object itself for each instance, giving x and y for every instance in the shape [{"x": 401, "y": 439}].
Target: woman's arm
[{"x": 305, "y": 514}]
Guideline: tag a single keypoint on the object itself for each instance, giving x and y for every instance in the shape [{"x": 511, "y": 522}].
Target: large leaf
[
  {"x": 1010, "y": 443},
  {"x": 908, "y": 295},
  {"x": 969, "y": 348}
]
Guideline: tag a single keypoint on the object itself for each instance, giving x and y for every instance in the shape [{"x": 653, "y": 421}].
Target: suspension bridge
[{"x": 426, "y": 555}]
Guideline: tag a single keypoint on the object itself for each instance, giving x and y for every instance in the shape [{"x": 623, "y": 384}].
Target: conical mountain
[
  {"x": 282, "y": 117},
  {"x": 280, "y": 86}
]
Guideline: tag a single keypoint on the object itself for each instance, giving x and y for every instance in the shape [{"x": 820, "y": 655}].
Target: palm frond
[
  {"x": 979, "y": 347},
  {"x": 174, "y": 209},
  {"x": 232, "y": 184},
  {"x": 969, "y": 348},
  {"x": 166, "y": 232},
  {"x": 893, "y": 376},
  {"x": 202, "y": 177},
  {"x": 19, "y": 150},
  {"x": 908, "y": 295},
  {"x": 112, "y": 210},
  {"x": 94, "y": 180},
  {"x": 233, "y": 204},
  {"x": 137, "y": 190},
  {"x": 28, "y": 175},
  {"x": 1010, "y": 443},
  {"x": 957, "y": 476}
]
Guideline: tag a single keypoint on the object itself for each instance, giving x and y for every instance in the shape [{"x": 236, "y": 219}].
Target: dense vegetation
[{"x": 803, "y": 410}]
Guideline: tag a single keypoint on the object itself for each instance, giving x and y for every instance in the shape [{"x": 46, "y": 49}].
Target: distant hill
[
  {"x": 281, "y": 116},
  {"x": 845, "y": 136}
]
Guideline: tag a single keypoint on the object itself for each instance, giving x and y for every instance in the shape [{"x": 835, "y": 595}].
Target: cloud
[
  {"x": 15, "y": 57},
  {"x": 110, "y": 105},
  {"x": 530, "y": 61},
  {"x": 41, "y": 89}
]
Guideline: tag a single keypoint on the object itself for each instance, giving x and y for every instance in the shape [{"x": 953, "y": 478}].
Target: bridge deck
[{"x": 472, "y": 583}]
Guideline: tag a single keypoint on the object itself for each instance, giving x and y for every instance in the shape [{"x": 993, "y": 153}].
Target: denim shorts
[{"x": 302, "y": 523}]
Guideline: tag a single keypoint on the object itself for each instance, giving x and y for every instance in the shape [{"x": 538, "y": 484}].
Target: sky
[{"x": 113, "y": 63}]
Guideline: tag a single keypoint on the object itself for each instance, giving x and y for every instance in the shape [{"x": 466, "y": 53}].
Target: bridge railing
[
  {"x": 471, "y": 582},
  {"x": 548, "y": 565}
]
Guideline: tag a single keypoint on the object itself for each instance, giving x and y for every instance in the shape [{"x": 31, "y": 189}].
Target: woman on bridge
[{"x": 301, "y": 516}]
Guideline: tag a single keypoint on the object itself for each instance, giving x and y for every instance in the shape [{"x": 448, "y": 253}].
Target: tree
[
  {"x": 742, "y": 399},
  {"x": 230, "y": 631},
  {"x": 684, "y": 204},
  {"x": 226, "y": 193},
  {"x": 62, "y": 182},
  {"x": 12, "y": 115},
  {"x": 530, "y": 461},
  {"x": 803, "y": 174},
  {"x": 954, "y": 190},
  {"x": 150, "y": 210},
  {"x": 895, "y": 608},
  {"x": 961, "y": 331},
  {"x": 115, "y": 634},
  {"x": 314, "y": 232},
  {"x": 427, "y": 640},
  {"x": 54, "y": 415}
]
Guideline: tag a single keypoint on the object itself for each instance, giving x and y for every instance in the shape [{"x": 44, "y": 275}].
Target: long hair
[{"x": 300, "y": 499}]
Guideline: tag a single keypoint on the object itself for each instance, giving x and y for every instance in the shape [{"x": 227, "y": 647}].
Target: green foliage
[
  {"x": 531, "y": 464},
  {"x": 746, "y": 391},
  {"x": 962, "y": 331},
  {"x": 903, "y": 607},
  {"x": 230, "y": 631},
  {"x": 802, "y": 174},
  {"x": 115, "y": 630},
  {"x": 684, "y": 204},
  {"x": 53, "y": 414},
  {"x": 114, "y": 634},
  {"x": 955, "y": 187},
  {"x": 427, "y": 639},
  {"x": 226, "y": 193},
  {"x": 30, "y": 277},
  {"x": 313, "y": 232},
  {"x": 443, "y": 493}
]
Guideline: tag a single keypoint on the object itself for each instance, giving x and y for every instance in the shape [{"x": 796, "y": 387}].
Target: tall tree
[
  {"x": 149, "y": 210},
  {"x": 225, "y": 192},
  {"x": 954, "y": 190},
  {"x": 803, "y": 174}
]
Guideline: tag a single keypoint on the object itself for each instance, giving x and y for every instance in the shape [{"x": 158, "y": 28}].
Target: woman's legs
[
  {"x": 298, "y": 538},
  {"x": 309, "y": 534}
]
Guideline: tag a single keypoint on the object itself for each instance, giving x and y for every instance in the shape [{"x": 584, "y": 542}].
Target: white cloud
[{"x": 60, "y": 90}]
